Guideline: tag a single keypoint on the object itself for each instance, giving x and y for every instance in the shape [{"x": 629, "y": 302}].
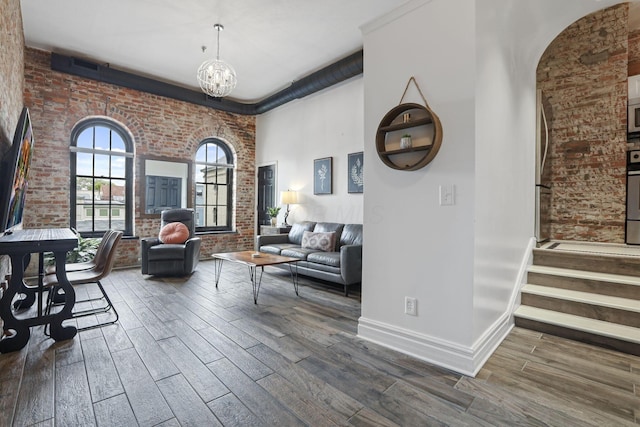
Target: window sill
[{"x": 204, "y": 233}]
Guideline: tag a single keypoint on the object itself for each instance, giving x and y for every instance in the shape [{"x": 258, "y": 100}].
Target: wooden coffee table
[{"x": 246, "y": 258}]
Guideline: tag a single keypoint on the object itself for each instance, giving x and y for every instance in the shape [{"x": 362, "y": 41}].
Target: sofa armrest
[
  {"x": 145, "y": 244},
  {"x": 192, "y": 253},
  {"x": 270, "y": 239},
  {"x": 351, "y": 263}
]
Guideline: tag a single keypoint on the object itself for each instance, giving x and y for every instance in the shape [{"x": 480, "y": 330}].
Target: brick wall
[
  {"x": 583, "y": 76},
  {"x": 11, "y": 81},
  {"x": 634, "y": 53},
  {"x": 159, "y": 126}
]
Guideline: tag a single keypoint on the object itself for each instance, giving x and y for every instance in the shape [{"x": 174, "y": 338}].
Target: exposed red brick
[
  {"x": 159, "y": 126},
  {"x": 583, "y": 77},
  {"x": 11, "y": 81}
]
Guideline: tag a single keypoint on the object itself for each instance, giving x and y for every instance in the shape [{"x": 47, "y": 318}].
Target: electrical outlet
[{"x": 410, "y": 306}]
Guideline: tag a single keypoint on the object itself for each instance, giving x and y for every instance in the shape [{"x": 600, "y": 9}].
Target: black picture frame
[
  {"x": 322, "y": 176},
  {"x": 355, "y": 173}
]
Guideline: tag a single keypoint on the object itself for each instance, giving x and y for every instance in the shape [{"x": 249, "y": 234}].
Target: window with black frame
[
  {"x": 101, "y": 178},
  {"x": 213, "y": 186}
]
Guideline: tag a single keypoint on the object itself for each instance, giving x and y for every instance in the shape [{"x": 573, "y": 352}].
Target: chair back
[
  {"x": 101, "y": 269},
  {"x": 185, "y": 216},
  {"x": 107, "y": 258},
  {"x": 101, "y": 247}
]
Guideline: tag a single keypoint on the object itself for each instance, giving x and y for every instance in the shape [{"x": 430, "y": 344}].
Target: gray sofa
[{"x": 341, "y": 264}]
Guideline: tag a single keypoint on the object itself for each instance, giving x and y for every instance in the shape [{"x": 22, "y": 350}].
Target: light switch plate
[{"x": 447, "y": 195}]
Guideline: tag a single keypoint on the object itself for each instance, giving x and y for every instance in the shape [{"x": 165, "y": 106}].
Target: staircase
[{"x": 590, "y": 295}]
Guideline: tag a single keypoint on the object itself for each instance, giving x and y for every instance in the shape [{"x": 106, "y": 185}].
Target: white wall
[
  {"x": 475, "y": 61},
  {"x": 325, "y": 124},
  {"x": 432, "y": 256}
]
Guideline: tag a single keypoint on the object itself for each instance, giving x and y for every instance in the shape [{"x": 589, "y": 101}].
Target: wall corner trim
[{"x": 398, "y": 12}]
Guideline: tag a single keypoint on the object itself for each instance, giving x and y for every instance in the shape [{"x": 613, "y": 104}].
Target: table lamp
[{"x": 288, "y": 197}]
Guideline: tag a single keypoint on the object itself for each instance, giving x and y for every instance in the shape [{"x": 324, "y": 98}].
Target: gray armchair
[{"x": 171, "y": 259}]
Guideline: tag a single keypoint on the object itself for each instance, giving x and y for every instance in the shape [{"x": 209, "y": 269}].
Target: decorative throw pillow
[
  {"x": 322, "y": 241},
  {"x": 174, "y": 232}
]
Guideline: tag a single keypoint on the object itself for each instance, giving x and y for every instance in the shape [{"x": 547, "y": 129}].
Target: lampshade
[{"x": 289, "y": 197}]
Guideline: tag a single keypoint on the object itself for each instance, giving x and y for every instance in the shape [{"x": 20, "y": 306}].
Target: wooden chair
[
  {"x": 103, "y": 264},
  {"x": 86, "y": 265}
]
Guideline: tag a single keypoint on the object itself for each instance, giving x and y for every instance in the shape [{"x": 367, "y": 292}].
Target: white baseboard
[
  {"x": 459, "y": 358},
  {"x": 449, "y": 355}
]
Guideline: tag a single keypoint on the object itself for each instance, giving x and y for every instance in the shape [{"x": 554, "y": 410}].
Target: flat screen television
[{"x": 15, "y": 174}]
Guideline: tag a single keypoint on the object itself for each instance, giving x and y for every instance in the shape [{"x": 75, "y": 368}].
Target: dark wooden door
[{"x": 266, "y": 193}]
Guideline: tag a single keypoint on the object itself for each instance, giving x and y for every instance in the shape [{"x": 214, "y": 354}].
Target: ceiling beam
[{"x": 330, "y": 75}]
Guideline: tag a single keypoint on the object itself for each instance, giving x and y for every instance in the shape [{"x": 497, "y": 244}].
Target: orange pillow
[{"x": 174, "y": 232}]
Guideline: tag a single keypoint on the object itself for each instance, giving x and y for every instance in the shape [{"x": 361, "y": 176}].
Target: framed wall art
[
  {"x": 355, "y": 173},
  {"x": 322, "y": 170}
]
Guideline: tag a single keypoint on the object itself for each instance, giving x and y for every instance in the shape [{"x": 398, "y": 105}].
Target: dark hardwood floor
[{"x": 187, "y": 354}]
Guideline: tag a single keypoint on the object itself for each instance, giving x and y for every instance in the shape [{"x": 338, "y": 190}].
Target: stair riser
[
  {"x": 629, "y": 266},
  {"x": 585, "y": 285},
  {"x": 621, "y": 317},
  {"x": 611, "y": 343}
]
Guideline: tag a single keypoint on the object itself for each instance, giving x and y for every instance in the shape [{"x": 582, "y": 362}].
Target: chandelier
[{"x": 216, "y": 77}]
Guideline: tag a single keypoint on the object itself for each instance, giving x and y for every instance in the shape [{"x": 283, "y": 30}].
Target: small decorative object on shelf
[
  {"x": 404, "y": 151},
  {"x": 273, "y": 214},
  {"x": 405, "y": 141}
]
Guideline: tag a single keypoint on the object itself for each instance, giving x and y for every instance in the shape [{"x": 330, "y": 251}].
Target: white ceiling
[{"x": 270, "y": 43}]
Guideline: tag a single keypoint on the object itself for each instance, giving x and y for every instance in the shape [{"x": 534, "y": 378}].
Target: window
[
  {"x": 101, "y": 178},
  {"x": 214, "y": 186}
]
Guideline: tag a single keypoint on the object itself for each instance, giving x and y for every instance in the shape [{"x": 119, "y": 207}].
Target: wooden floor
[{"x": 185, "y": 353}]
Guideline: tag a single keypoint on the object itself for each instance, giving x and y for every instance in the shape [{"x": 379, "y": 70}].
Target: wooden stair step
[
  {"x": 584, "y": 297},
  {"x": 587, "y": 275},
  {"x": 591, "y": 261},
  {"x": 579, "y": 323}
]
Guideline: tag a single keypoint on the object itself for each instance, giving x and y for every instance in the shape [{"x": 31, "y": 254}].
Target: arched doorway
[{"x": 582, "y": 93}]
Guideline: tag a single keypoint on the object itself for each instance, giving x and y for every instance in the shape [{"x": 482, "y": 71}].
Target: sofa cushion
[
  {"x": 174, "y": 232},
  {"x": 322, "y": 267},
  {"x": 166, "y": 252},
  {"x": 321, "y": 241},
  {"x": 298, "y": 229},
  {"x": 327, "y": 258},
  {"x": 297, "y": 252},
  {"x": 324, "y": 227},
  {"x": 351, "y": 234},
  {"x": 276, "y": 248}
]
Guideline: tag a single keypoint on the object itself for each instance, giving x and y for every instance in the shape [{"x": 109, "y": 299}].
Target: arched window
[
  {"x": 101, "y": 178},
  {"x": 214, "y": 186}
]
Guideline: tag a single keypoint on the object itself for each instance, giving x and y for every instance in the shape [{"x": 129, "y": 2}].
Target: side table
[{"x": 268, "y": 229}]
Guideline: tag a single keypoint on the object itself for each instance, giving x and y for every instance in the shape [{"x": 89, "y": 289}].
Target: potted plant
[
  {"x": 405, "y": 141},
  {"x": 273, "y": 214},
  {"x": 85, "y": 251}
]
